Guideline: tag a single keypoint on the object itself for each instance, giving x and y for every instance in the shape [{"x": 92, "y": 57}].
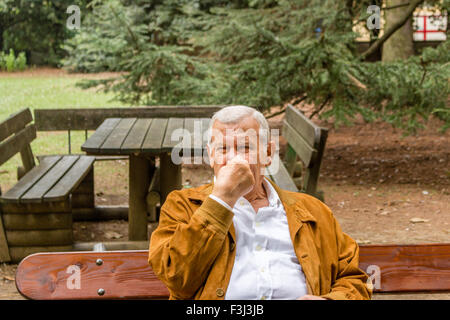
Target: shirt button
[
  {"x": 220, "y": 292},
  {"x": 258, "y": 248},
  {"x": 262, "y": 269},
  {"x": 242, "y": 202},
  {"x": 263, "y": 298},
  {"x": 257, "y": 223}
]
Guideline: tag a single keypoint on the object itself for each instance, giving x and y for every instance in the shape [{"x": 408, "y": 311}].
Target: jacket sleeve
[
  {"x": 183, "y": 247},
  {"x": 350, "y": 281}
]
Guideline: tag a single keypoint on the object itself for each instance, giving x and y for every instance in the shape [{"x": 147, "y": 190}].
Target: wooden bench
[
  {"x": 305, "y": 141},
  {"x": 127, "y": 275},
  {"x": 36, "y": 213}
]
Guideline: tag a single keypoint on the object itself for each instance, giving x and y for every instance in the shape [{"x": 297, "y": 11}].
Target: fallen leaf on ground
[
  {"x": 113, "y": 235},
  {"x": 418, "y": 220}
]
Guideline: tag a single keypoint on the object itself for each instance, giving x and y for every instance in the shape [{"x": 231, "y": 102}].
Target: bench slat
[
  {"x": 98, "y": 138},
  {"x": 90, "y": 119},
  {"x": 409, "y": 268},
  {"x": 305, "y": 127},
  {"x": 41, "y": 187},
  {"x": 14, "y": 123},
  {"x": 16, "y": 143},
  {"x": 136, "y": 137},
  {"x": 155, "y": 136},
  {"x": 36, "y": 221},
  {"x": 23, "y": 185},
  {"x": 306, "y": 153},
  {"x": 28, "y": 238},
  {"x": 71, "y": 179},
  {"x": 4, "y": 251},
  {"x": 118, "y": 135},
  {"x": 280, "y": 176},
  {"x": 44, "y": 276}
]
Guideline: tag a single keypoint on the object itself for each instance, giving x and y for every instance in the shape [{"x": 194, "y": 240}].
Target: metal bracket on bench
[{"x": 99, "y": 247}]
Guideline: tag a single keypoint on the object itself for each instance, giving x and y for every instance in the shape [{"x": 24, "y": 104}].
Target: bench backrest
[
  {"x": 127, "y": 275},
  {"x": 306, "y": 141},
  {"x": 16, "y": 134},
  {"x": 92, "y": 118}
]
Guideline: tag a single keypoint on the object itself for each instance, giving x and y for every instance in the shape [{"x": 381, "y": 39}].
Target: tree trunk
[{"x": 400, "y": 45}]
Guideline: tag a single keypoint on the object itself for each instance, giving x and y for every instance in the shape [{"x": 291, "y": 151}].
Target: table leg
[
  {"x": 141, "y": 170},
  {"x": 170, "y": 176}
]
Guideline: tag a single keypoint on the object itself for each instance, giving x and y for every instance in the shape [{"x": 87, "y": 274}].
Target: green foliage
[
  {"x": 102, "y": 43},
  {"x": 21, "y": 61},
  {"x": 37, "y": 27},
  {"x": 260, "y": 53},
  {"x": 402, "y": 92},
  {"x": 10, "y": 62}
]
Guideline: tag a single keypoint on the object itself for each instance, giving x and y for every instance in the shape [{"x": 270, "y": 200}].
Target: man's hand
[
  {"x": 311, "y": 297},
  {"x": 234, "y": 180}
]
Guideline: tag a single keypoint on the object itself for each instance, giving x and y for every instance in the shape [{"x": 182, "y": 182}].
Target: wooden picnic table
[{"x": 144, "y": 139}]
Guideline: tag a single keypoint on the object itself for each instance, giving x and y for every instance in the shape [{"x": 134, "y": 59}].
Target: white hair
[{"x": 234, "y": 114}]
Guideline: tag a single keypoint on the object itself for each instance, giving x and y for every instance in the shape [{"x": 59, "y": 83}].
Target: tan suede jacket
[{"x": 193, "y": 248}]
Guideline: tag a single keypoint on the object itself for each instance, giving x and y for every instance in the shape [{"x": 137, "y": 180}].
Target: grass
[{"x": 47, "y": 91}]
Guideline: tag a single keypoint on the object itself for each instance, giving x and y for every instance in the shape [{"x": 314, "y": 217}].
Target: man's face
[{"x": 232, "y": 139}]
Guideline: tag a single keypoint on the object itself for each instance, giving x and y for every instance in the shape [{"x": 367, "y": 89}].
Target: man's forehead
[
  {"x": 246, "y": 126},
  {"x": 243, "y": 124}
]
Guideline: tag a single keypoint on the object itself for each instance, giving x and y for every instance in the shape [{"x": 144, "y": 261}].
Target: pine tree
[{"x": 262, "y": 53}]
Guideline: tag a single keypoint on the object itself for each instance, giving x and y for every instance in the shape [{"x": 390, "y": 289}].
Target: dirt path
[{"x": 381, "y": 187}]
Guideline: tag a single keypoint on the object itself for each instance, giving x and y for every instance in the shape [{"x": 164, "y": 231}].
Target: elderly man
[{"x": 242, "y": 237}]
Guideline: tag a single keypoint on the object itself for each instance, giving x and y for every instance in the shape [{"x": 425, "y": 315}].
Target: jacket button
[
  {"x": 220, "y": 292},
  {"x": 232, "y": 246}
]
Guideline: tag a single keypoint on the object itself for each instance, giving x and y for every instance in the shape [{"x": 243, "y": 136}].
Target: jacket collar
[{"x": 296, "y": 213}]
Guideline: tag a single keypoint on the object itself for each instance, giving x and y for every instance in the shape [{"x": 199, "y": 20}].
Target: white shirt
[{"x": 265, "y": 266}]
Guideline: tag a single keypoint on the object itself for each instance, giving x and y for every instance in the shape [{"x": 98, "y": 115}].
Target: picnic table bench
[
  {"x": 35, "y": 214},
  {"x": 127, "y": 274}
]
